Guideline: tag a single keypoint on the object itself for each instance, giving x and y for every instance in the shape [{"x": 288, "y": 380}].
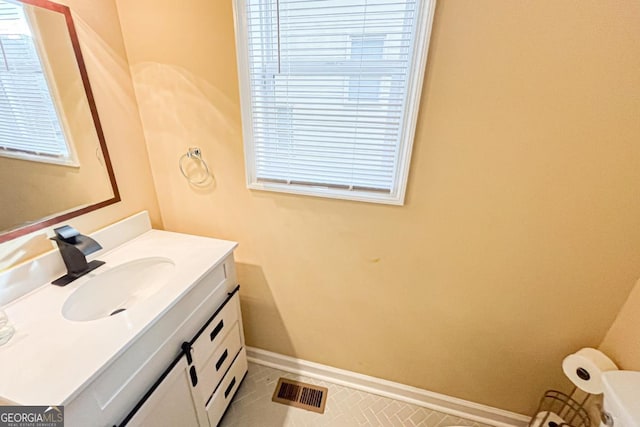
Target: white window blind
[
  {"x": 29, "y": 123},
  {"x": 330, "y": 93}
]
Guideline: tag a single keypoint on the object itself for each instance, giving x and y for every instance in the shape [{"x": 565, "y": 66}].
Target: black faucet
[{"x": 74, "y": 248}]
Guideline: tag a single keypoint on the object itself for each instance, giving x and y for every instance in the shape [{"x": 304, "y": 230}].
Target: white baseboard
[{"x": 416, "y": 396}]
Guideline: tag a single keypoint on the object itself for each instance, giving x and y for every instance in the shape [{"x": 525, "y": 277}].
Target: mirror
[{"x": 54, "y": 163}]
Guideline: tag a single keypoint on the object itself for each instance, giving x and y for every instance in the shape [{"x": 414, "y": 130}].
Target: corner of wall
[{"x": 622, "y": 342}]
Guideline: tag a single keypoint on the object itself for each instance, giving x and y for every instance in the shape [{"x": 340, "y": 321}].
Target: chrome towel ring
[{"x": 196, "y": 154}]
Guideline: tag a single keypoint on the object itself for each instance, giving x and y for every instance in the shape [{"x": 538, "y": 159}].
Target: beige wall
[
  {"x": 519, "y": 240},
  {"x": 622, "y": 342},
  {"x": 102, "y": 46}
]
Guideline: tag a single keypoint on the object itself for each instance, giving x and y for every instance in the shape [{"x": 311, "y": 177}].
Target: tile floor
[{"x": 252, "y": 407}]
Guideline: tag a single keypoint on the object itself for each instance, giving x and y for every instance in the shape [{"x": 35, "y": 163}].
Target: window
[
  {"x": 330, "y": 91},
  {"x": 29, "y": 124}
]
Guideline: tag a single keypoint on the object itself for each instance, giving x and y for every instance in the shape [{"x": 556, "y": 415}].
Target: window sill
[
  {"x": 331, "y": 193},
  {"x": 39, "y": 159}
]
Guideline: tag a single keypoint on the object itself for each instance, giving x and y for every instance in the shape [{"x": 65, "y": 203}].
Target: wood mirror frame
[{"x": 54, "y": 219}]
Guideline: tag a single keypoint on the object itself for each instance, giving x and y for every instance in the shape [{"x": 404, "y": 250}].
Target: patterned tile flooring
[{"x": 252, "y": 407}]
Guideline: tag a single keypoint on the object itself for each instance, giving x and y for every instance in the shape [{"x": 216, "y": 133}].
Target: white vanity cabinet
[
  {"x": 200, "y": 337},
  {"x": 198, "y": 386},
  {"x": 104, "y": 367}
]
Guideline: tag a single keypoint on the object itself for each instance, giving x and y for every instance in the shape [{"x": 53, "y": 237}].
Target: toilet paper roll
[
  {"x": 547, "y": 419},
  {"x": 585, "y": 367}
]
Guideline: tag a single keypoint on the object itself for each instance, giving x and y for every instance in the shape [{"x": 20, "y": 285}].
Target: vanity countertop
[{"x": 51, "y": 359}]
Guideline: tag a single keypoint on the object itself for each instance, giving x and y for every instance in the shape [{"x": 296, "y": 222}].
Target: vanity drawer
[
  {"x": 211, "y": 371},
  {"x": 216, "y": 331},
  {"x": 223, "y": 395}
]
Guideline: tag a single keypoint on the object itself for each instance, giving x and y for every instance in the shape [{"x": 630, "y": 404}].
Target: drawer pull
[
  {"x": 216, "y": 330},
  {"x": 230, "y": 387},
  {"x": 222, "y": 359}
]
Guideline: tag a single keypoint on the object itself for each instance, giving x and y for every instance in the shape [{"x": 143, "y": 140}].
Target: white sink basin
[{"x": 118, "y": 289}]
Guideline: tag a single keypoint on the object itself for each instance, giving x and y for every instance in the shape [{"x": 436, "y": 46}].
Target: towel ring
[{"x": 196, "y": 154}]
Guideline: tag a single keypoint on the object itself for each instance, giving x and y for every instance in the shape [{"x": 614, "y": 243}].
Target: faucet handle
[
  {"x": 67, "y": 233},
  {"x": 69, "y": 236}
]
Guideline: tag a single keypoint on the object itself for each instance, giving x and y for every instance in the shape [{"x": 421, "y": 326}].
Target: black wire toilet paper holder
[{"x": 571, "y": 408}]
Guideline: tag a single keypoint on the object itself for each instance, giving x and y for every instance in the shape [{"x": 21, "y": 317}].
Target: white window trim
[
  {"x": 72, "y": 160},
  {"x": 424, "y": 17}
]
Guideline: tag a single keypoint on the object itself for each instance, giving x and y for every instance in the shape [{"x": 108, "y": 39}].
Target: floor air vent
[{"x": 300, "y": 395}]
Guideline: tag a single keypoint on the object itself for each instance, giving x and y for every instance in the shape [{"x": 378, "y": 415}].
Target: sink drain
[{"x": 120, "y": 310}]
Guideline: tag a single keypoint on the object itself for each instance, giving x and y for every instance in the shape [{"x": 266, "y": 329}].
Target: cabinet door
[{"x": 171, "y": 403}]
